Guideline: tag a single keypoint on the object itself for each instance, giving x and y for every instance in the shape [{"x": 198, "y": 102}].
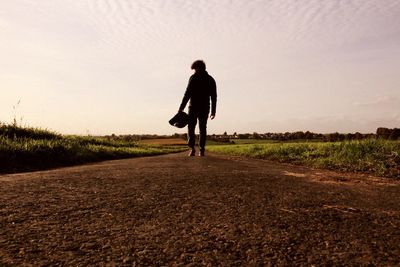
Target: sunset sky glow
[{"x": 122, "y": 66}]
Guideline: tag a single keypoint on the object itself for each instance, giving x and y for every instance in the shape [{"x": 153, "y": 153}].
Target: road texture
[{"x": 218, "y": 210}]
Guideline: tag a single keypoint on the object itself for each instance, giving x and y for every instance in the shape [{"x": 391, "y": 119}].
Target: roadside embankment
[
  {"x": 28, "y": 149},
  {"x": 378, "y": 157}
]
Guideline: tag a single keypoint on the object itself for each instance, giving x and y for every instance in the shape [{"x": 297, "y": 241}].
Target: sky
[{"x": 121, "y": 66}]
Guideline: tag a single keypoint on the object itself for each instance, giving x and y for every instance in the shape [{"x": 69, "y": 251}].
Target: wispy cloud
[
  {"x": 296, "y": 24},
  {"x": 379, "y": 101}
]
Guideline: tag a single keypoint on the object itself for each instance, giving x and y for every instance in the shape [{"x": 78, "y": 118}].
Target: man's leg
[
  {"x": 203, "y": 132},
  {"x": 191, "y": 127}
]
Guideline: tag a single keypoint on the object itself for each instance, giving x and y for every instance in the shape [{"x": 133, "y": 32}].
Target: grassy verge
[
  {"x": 378, "y": 157},
  {"x": 27, "y": 149}
]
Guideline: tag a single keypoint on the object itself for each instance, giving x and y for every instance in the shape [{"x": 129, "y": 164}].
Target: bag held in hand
[{"x": 180, "y": 120}]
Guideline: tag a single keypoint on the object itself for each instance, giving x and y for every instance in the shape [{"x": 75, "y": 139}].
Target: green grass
[
  {"x": 267, "y": 141},
  {"x": 379, "y": 157},
  {"x": 27, "y": 149},
  {"x": 14, "y": 131},
  {"x": 252, "y": 141}
]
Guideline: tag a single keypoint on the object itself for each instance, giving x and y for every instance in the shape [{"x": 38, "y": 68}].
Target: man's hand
[{"x": 212, "y": 116}]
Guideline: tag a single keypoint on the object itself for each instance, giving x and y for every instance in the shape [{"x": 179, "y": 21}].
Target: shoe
[
  {"x": 192, "y": 152},
  {"x": 201, "y": 154}
]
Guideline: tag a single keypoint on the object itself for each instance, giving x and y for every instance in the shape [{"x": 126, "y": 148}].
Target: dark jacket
[{"x": 200, "y": 89}]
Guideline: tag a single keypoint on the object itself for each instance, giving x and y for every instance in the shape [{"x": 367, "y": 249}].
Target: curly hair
[{"x": 198, "y": 64}]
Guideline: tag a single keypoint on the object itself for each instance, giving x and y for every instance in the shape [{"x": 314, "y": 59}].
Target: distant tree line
[
  {"x": 386, "y": 133},
  {"x": 382, "y": 133}
]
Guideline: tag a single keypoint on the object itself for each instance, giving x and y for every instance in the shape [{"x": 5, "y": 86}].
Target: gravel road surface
[{"x": 217, "y": 210}]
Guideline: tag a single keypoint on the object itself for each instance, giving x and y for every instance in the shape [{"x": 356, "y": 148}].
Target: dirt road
[{"x": 175, "y": 210}]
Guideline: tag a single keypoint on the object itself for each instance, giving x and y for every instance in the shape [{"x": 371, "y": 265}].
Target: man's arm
[
  {"x": 213, "y": 98},
  {"x": 186, "y": 96}
]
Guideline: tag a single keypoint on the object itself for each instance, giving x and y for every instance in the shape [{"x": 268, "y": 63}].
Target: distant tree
[
  {"x": 350, "y": 136},
  {"x": 395, "y": 134},
  {"x": 333, "y": 137},
  {"x": 358, "y": 136},
  {"x": 298, "y": 135},
  {"x": 308, "y": 135},
  {"x": 244, "y": 136},
  {"x": 256, "y": 136},
  {"x": 382, "y": 132}
]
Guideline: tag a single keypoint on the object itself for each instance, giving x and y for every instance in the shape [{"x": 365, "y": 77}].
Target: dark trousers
[{"x": 202, "y": 117}]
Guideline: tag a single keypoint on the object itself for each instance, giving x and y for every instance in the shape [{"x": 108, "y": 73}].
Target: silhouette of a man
[{"x": 201, "y": 88}]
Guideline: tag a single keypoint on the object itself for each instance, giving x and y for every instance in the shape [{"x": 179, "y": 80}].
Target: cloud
[
  {"x": 295, "y": 24},
  {"x": 379, "y": 101},
  {"x": 343, "y": 123}
]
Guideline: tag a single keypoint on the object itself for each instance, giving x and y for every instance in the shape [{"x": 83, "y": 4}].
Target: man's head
[{"x": 199, "y": 65}]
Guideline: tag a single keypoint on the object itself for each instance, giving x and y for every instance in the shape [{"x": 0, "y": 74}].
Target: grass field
[
  {"x": 164, "y": 141},
  {"x": 267, "y": 141},
  {"x": 379, "y": 157},
  {"x": 26, "y": 149},
  {"x": 251, "y": 141}
]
